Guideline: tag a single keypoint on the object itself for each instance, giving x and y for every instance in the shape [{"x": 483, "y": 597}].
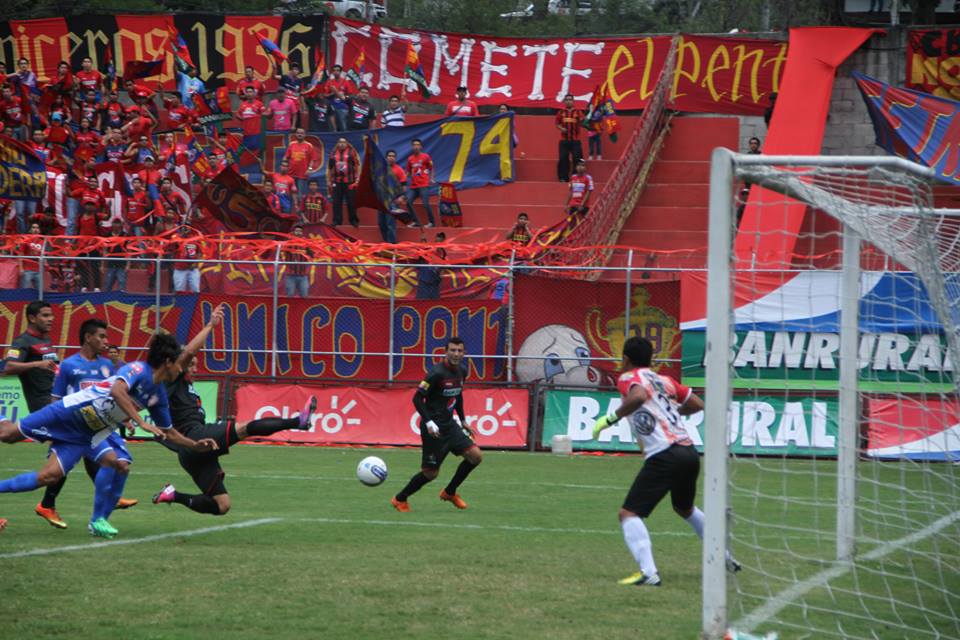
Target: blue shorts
[
  {"x": 113, "y": 443},
  {"x": 56, "y": 423},
  {"x": 69, "y": 454}
]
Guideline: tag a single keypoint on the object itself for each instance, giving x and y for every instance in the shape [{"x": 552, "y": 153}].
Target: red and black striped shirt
[{"x": 570, "y": 120}]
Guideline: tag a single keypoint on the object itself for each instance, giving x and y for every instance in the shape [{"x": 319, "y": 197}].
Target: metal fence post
[
  {"x": 276, "y": 296},
  {"x": 626, "y": 314},
  {"x": 510, "y": 309},
  {"x": 42, "y": 269},
  {"x": 393, "y": 308},
  {"x": 156, "y": 298}
]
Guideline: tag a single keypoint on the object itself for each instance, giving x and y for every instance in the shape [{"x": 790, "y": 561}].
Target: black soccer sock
[
  {"x": 197, "y": 502},
  {"x": 416, "y": 483},
  {"x": 269, "y": 426},
  {"x": 461, "y": 474},
  {"x": 92, "y": 468},
  {"x": 49, "y": 500}
]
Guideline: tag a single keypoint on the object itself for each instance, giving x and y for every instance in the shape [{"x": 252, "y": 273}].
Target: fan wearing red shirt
[
  {"x": 89, "y": 194},
  {"x": 151, "y": 176},
  {"x": 88, "y": 78},
  {"x": 141, "y": 123},
  {"x": 177, "y": 114},
  {"x": 461, "y": 106},
  {"x": 272, "y": 200},
  {"x": 139, "y": 209},
  {"x": 337, "y": 82},
  {"x": 112, "y": 111},
  {"x": 386, "y": 222},
  {"x": 89, "y": 225},
  {"x": 29, "y": 267},
  {"x": 250, "y": 80},
  {"x": 58, "y": 133},
  {"x": 314, "y": 206},
  {"x": 581, "y": 188},
  {"x": 286, "y": 188},
  {"x": 304, "y": 159},
  {"x": 14, "y": 117},
  {"x": 420, "y": 174},
  {"x": 343, "y": 172},
  {"x": 568, "y": 121},
  {"x": 186, "y": 271},
  {"x": 170, "y": 199},
  {"x": 249, "y": 113}
]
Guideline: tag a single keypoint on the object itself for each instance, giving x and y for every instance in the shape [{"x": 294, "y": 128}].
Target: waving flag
[
  {"x": 198, "y": 157},
  {"x": 181, "y": 54},
  {"x": 272, "y": 49},
  {"x": 237, "y": 205},
  {"x": 110, "y": 68},
  {"x": 377, "y": 187},
  {"x": 414, "y": 70},
  {"x": 357, "y": 71},
  {"x": 601, "y": 114},
  {"x": 319, "y": 74},
  {"x": 135, "y": 69},
  {"x": 451, "y": 215},
  {"x": 914, "y": 125},
  {"x": 213, "y": 106}
]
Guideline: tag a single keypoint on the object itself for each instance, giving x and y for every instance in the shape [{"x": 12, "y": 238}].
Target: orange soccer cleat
[
  {"x": 51, "y": 516},
  {"x": 126, "y": 503},
  {"x": 455, "y": 499},
  {"x": 400, "y": 505}
]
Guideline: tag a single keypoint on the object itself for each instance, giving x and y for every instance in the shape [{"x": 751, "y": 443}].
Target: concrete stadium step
[
  {"x": 545, "y": 169},
  {"x": 672, "y": 195},
  {"x": 554, "y": 192},
  {"x": 680, "y": 172},
  {"x": 693, "y": 138},
  {"x": 667, "y": 218}
]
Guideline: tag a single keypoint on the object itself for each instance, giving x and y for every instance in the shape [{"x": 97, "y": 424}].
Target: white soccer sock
[
  {"x": 637, "y": 537},
  {"x": 696, "y": 522}
]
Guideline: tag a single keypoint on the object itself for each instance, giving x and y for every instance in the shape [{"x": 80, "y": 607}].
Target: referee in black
[{"x": 443, "y": 430}]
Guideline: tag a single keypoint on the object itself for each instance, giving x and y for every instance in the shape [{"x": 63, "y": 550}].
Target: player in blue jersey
[
  {"x": 76, "y": 373},
  {"x": 86, "y": 418}
]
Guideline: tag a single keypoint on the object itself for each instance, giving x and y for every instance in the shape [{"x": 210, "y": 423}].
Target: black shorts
[
  {"x": 674, "y": 470},
  {"x": 205, "y": 470},
  {"x": 452, "y": 439},
  {"x": 223, "y": 433}
]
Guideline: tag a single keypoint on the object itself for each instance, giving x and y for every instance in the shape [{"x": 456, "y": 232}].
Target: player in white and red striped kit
[{"x": 653, "y": 404}]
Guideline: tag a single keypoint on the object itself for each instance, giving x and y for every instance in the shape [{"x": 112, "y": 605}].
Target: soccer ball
[{"x": 372, "y": 471}]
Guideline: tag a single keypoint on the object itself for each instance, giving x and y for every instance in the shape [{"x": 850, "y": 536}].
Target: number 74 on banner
[{"x": 496, "y": 141}]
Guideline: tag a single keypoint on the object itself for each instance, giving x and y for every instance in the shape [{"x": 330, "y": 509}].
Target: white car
[
  {"x": 356, "y": 9},
  {"x": 554, "y": 7}
]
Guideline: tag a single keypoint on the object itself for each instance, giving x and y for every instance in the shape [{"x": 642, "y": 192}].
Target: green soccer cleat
[
  {"x": 640, "y": 579},
  {"x": 102, "y": 529}
]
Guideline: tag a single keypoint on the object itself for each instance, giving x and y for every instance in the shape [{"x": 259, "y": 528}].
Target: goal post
[{"x": 832, "y": 411}]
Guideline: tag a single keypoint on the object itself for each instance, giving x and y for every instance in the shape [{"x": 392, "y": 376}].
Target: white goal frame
[{"x": 718, "y": 394}]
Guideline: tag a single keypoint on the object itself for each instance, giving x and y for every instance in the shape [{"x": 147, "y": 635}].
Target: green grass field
[{"x": 312, "y": 553}]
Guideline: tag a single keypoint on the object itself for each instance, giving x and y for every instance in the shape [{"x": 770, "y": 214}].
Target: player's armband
[{"x": 423, "y": 386}]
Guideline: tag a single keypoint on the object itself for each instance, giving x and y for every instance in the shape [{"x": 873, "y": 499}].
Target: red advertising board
[
  {"x": 908, "y": 427},
  {"x": 354, "y": 415},
  {"x": 712, "y": 75}
]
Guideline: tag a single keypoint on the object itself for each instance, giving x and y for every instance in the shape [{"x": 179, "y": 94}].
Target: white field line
[
  {"x": 160, "y": 536},
  {"x": 779, "y": 602},
  {"x": 480, "y": 527}
]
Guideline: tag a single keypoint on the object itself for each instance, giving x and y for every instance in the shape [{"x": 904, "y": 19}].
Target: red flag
[
  {"x": 239, "y": 206},
  {"x": 179, "y": 47},
  {"x": 272, "y": 49},
  {"x": 223, "y": 99},
  {"x": 450, "y": 213}
]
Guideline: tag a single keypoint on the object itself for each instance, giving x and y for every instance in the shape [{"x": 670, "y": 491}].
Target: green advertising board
[
  {"x": 13, "y": 406},
  {"x": 764, "y": 425},
  {"x": 889, "y": 362}
]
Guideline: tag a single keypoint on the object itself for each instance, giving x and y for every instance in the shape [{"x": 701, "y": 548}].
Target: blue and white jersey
[
  {"x": 77, "y": 373},
  {"x": 96, "y": 409}
]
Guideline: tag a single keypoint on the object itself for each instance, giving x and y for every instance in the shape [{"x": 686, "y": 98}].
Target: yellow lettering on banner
[
  {"x": 9, "y": 320},
  {"x": 684, "y": 46},
  {"x": 645, "y": 91},
  {"x": 742, "y": 56},
  {"x": 777, "y": 61},
  {"x": 921, "y": 72},
  {"x": 155, "y": 46},
  {"x": 23, "y": 46},
  {"x": 203, "y": 62},
  {"x": 498, "y": 142},
  {"x": 234, "y": 54},
  {"x": 17, "y": 183},
  {"x": 38, "y": 63},
  {"x": 306, "y": 62},
  {"x": 134, "y": 38},
  {"x": 466, "y": 130},
  {"x": 713, "y": 65},
  {"x": 12, "y": 43},
  {"x": 949, "y": 68},
  {"x": 613, "y": 70},
  {"x": 92, "y": 38}
]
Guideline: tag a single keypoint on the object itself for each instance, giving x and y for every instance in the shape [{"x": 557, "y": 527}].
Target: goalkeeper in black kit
[{"x": 443, "y": 430}]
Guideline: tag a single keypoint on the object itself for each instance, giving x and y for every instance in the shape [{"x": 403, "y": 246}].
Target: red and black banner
[
  {"x": 933, "y": 61},
  {"x": 221, "y": 46}
]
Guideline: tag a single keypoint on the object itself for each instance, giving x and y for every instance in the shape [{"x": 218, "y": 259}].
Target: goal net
[{"x": 832, "y": 427}]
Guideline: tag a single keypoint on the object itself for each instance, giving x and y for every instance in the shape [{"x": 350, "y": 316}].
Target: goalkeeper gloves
[
  {"x": 432, "y": 428},
  {"x": 603, "y": 422}
]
